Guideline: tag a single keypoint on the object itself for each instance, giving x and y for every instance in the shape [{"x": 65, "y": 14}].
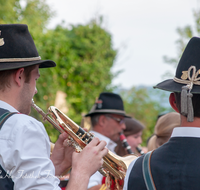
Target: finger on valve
[{"x": 91, "y": 156}]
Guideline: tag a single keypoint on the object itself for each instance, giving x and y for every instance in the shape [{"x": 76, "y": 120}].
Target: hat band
[
  {"x": 192, "y": 80},
  {"x": 186, "y": 95},
  {"x": 20, "y": 59},
  {"x": 108, "y": 111}
]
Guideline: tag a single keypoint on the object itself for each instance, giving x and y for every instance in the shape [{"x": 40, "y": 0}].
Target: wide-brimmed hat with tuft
[
  {"x": 17, "y": 48},
  {"x": 108, "y": 103},
  {"x": 188, "y": 64},
  {"x": 187, "y": 78}
]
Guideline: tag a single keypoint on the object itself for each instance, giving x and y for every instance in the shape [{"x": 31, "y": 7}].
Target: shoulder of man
[
  {"x": 21, "y": 123},
  {"x": 136, "y": 179}
]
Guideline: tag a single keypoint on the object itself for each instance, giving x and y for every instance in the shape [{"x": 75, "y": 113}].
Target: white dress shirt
[
  {"x": 177, "y": 132},
  {"x": 25, "y": 152},
  {"x": 96, "y": 179}
]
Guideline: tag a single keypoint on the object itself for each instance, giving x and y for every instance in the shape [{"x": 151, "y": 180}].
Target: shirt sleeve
[
  {"x": 26, "y": 154},
  {"x": 95, "y": 179},
  {"x": 127, "y": 174}
]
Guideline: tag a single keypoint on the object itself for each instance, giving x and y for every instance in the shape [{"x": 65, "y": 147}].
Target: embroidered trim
[
  {"x": 20, "y": 59},
  {"x": 1, "y": 40},
  {"x": 192, "y": 80},
  {"x": 108, "y": 111},
  {"x": 186, "y": 96}
]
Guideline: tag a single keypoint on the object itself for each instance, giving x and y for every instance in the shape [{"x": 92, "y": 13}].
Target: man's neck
[
  {"x": 9, "y": 97},
  {"x": 185, "y": 123}
]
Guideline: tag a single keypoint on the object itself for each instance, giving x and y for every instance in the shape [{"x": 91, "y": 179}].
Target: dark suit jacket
[{"x": 174, "y": 166}]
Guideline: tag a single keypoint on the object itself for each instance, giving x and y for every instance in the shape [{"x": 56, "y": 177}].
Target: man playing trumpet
[{"x": 25, "y": 161}]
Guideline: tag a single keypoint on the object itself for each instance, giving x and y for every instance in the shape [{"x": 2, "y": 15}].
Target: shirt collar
[
  {"x": 110, "y": 144},
  {"x": 7, "y": 106},
  {"x": 186, "y": 132}
]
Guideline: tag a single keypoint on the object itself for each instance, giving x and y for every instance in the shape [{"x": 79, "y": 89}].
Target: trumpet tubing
[{"x": 113, "y": 166}]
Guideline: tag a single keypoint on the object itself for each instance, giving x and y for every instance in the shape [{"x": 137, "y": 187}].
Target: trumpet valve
[
  {"x": 103, "y": 172},
  {"x": 86, "y": 141},
  {"x": 83, "y": 136}
]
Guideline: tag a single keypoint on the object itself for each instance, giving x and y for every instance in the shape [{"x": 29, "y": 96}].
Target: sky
[{"x": 143, "y": 31}]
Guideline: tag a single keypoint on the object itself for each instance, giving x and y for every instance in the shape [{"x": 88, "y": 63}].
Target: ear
[
  {"x": 102, "y": 120},
  {"x": 19, "y": 76},
  {"x": 172, "y": 102}
]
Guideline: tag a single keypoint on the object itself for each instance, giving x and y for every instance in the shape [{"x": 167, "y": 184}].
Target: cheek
[
  {"x": 33, "y": 86},
  {"x": 112, "y": 128},
  {"x": 131, "y": 141}
]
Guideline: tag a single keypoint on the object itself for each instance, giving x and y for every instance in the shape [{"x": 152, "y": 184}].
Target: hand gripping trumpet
[{"x": 114, "y": 167}]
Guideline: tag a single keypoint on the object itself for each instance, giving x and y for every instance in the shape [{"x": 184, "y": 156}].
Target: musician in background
[
  {"x": 175, "y": 164},
  {"x": 25, "y": 161},
  {"x": 107, "y": 118},
  {"x": 133, "y": 134}
]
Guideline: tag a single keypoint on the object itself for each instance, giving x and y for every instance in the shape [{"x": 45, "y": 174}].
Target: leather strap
[
  {"x": 4, "y": 117},
  {"x": 146, "y": 169},
  {"x": 6, "y": 182}
]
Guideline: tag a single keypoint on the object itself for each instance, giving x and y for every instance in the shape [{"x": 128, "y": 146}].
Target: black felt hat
[
  {"x": 108, "y": 103},
  {"x": 187, "y": 78},
  {"x": 188, "y": 64},
  {"x": 17, "y": 48}
]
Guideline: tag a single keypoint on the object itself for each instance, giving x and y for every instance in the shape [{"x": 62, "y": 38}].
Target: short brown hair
[
  {"x": 133, "y": 126},
  {"x": 95, "y": 119},
  {"x": 163, "y": 129},
  {"x": 5, "y": 76}
]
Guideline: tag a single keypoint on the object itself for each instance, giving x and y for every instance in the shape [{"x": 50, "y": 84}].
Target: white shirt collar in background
[
  {"x": 186, "y": 132},
  {"x": 110, "y": 144}
]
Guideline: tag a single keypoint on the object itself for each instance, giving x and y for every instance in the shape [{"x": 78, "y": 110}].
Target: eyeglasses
[{"x": 118, "y": 120}]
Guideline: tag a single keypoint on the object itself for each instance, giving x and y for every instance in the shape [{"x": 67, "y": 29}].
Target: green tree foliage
[
  {"x": 35, "y": 13},
  {"x": 84, "y": 57},
  {"x": 185, "y": 34},
  {"x": 9, "y": 11},
  {"x": 144, "y": 104},
  {"x": 83, "y": 53}
]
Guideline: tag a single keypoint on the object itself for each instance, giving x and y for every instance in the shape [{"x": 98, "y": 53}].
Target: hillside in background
[
  {"x": 145, "y": 104},
  {"x": 157, "y": 95}
]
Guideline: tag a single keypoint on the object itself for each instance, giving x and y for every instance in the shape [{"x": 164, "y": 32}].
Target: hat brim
[
  {"x": 172, "y": 86},
  {"x": 16, "y": 65},
  {"x": 107, "y": 112}
]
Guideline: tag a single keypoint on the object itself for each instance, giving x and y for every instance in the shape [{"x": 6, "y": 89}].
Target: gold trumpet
[{"x": 114, "y": 167}]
